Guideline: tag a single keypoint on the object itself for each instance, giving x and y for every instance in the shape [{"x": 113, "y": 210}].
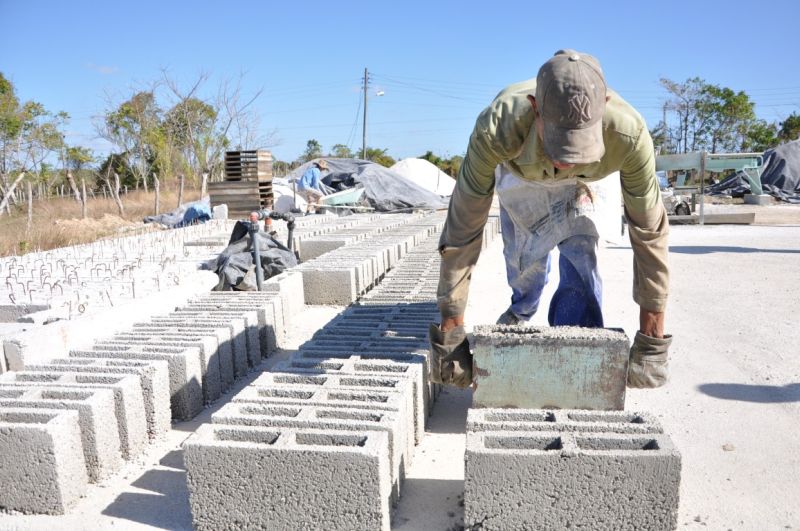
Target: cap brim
[{"x": 574, "y": 146}]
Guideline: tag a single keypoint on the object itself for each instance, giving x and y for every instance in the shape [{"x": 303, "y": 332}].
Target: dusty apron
[{"x": 536, "y": 217}]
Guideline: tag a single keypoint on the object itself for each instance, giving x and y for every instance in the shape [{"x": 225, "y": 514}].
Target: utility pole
[{"x": 364, "y": 134}]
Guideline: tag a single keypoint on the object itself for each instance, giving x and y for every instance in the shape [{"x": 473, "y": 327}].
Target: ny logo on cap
[{"x": 579, "y": 109}]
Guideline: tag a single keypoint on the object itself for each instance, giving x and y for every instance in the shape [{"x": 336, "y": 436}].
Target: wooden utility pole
[
  {"x": 157, "y": 191},
  {"x": 364, "y": 134},
  {"x": 181, "y": 180}
]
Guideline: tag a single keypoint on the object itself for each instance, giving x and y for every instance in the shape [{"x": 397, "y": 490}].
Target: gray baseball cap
[{"x": 571, "y": 98}]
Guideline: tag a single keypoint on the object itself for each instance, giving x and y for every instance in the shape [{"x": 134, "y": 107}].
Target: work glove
[
  {"x": 451, "y": 360},
  {"x": 648, "y": 366}
]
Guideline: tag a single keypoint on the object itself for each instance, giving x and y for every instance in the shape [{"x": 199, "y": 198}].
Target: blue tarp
[{"x": 187, "y": 214}]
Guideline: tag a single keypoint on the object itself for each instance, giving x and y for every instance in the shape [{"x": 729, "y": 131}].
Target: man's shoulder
[{"x": 621, "y": 120}]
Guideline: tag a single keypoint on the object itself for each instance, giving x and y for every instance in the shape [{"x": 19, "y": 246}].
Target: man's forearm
[{"x": 649, "y": 235}]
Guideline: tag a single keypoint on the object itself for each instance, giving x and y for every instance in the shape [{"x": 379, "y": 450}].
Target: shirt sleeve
[
  {"x": 648, "y": 225},
  {"x": 497, "y": 137}
]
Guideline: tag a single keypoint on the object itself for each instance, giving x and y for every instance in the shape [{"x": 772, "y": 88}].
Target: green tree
[
  {"x": 379, "y": 156},
  {"x": 790, "y": 128},
  {"x": 313, "y": 151},
  {"x": 727, "y": 116},
  {"x": 760, "y": 135},
  {"x": 341, "y": 151}
]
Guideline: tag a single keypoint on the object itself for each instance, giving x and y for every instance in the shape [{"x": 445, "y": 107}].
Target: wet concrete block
[
  {"x": 542, "y": 367},
  {"x": 571, "y": 420},
  {"x": 269, "y": 309},
  {"x": 401, "y": 446},
  {"x": 328, "y": 479},
  {"x": 96, "y": 417},
  {"x": 42, "y": 468},
  {"x": 128, "y": 400},
  {"x": 560, "y": 480},
  {"x": 289, "y": 286},
  {"x": 153, "y": 377},
  {"x": 185, "y": 372}
]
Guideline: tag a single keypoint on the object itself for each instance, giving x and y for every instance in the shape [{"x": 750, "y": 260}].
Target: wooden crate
[
  {"x": 242, "y": 197},
  {"x": 248, "y": 165}
]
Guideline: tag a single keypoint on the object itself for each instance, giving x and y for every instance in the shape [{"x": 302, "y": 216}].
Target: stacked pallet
[{"x": 248, "y": 182}]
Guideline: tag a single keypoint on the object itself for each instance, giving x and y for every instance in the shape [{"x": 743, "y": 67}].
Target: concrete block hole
[{"x": 524, "y": 443}]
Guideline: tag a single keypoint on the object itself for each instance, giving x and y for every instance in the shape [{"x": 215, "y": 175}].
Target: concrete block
[
  {"x": 401, "y": 440},
  {"x": 571, "y": 420},
  {"x": 249, "y": 316},
  {"x": 328, "y": 480},
  {"x": 221, "y": 335},
  {"x": 56, "y": 339},
  {"x": 235, "y": 326},
  {"x": 354, "y": 365},
  {"x": 128, "y": 400},
  {"x": 400, "y": 385},
  {"x": 42, "y": 468},
  {"x": 96, "y": 417},
  {"x": 289, "y": 286},
  {"x": 541, "y": 367},
  {"x": 153, "y": 377},
  {"x": 185, "y": 373},
  {"x": 206, "y": 347},
  {"x": 329, "y": 286},
  {"x": 560, "y": 480}
]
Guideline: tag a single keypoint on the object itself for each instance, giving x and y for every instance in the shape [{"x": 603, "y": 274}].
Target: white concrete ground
[{"x": 732, "y": 407}]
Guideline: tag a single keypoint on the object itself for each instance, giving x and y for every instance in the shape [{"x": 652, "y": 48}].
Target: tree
[
  {"x": 760, "y": 136},
  {"x": 313, "y": 151},
  {"x": 341, "y": 151},
  {"x": 727, "y": 115},
  {"x": 790, "y": 128},
  {"x": 379, "y": 156}
]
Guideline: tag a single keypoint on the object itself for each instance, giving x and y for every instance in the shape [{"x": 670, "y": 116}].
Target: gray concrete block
[
  {"x": 289, "y": 286},
  {"x": 356, "y": 366},
  {"x": 542, "y": 367},
  {"x": 153, "y": 377},
  {"x": 96, "y": 417},
  {"x": 128, "y": 400},
  {"x": 329, "y": 480},
  {"x": 185, "y": 373},
  {"x": 221, "y": 335},
  {"x": 560, "y": 480},
  {"x": 206, "y": 347},
  {"x": 236, "y": 327},
  {"x": 249, "y": 316},
  {"x": 403, "y": 386},
  {"x": 327, "y": 418},
  {"x": 572, "y": 420},
  {"x": 330, "y": 286},
  {"x": 42, "y": 468}
]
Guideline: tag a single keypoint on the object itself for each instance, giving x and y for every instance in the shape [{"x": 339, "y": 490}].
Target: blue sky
[{"x": 438, "y": 63}]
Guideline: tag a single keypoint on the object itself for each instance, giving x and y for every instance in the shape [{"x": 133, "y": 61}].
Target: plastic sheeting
[
  {"x": 234, "y": 265},
  {"x": 186, "y": 214},
  {"x": 384, "y": 189},
  {"x": 425, "y": 174},
  {"x": 780, "y": 175}
]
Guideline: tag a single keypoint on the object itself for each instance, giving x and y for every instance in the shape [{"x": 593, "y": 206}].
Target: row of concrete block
[
  {"x": 333, "y": 429},
  {"x": 126, "y": 387},
  {"x": 565, "y": 469},
  {"x": 342, "y": 275}
]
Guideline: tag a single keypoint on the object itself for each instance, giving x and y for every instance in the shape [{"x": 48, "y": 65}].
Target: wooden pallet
[{"x": 242, "y": 197}]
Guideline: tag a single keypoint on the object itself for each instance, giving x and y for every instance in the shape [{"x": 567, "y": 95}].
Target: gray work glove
[
  {"x": 649, "y": 366},
  {"x": 451, "y": 360}
]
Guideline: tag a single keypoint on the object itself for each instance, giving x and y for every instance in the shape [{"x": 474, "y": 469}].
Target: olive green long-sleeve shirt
[{"x": 505, "y": 133}]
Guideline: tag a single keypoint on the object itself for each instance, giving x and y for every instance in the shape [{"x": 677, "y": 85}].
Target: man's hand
[
  {"x": 451, "y": 359},
  {"x": 452, "y": 322},
  {"x": 649, "y": 363}
]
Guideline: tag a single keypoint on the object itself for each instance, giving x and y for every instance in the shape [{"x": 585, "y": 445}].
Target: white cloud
[{"x": 103, "y": 69}]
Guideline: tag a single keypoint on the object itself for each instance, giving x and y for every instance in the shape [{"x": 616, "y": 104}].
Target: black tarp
[
  {"x": 234, "y": 265},
  {"x": 384, "y": 189},
  {"x": 780, "y": 175}
]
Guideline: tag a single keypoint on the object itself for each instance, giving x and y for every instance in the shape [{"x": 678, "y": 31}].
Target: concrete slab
[
  {"x": 42, "y": 468},
  {"x": 330, "y": 480},
  {"x": 550, "y": 367}
]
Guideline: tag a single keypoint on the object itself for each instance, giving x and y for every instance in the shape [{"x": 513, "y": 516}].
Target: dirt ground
[{"x": 732, "y": 406}]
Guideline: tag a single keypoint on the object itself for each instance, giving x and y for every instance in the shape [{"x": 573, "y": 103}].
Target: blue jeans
[{"x": 578, "y": 299}]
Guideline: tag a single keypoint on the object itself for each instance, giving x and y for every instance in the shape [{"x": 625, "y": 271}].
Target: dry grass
[{"x": 57, "y": 222}]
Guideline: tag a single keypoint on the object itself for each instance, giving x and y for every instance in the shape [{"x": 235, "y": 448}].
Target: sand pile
[{"x": 426, "y": 175}]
